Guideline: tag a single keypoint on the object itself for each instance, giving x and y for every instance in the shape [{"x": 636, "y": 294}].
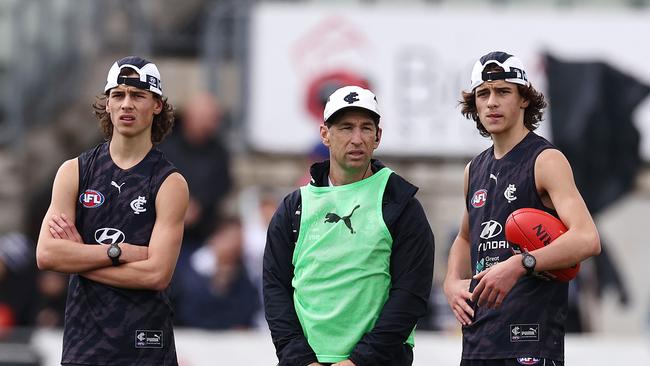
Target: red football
[{"x": 532, "y": 229}]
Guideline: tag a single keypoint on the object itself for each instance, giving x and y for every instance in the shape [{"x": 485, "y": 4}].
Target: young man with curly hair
[
  {"x": 115, "y": 224},
  {"x": 509, "y": 316}
]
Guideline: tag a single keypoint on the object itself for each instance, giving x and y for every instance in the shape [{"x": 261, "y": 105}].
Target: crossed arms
[{"x": 60, "y": 247}]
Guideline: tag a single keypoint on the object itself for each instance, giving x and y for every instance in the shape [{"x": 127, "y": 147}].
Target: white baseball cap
[
  {"x": 148, "y": 72},
  {"x": 350, "y": 96},
  {"x": 513, "y": 69}
]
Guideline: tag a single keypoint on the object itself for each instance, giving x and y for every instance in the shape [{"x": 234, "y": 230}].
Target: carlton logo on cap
[
  {"x": 149, "y": 76},
  {"x": 513, "y": 69},
  {"x": 350, "y": 96}
]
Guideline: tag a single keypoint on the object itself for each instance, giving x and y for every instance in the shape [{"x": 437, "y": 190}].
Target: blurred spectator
[
  {"x": 214, "y": 291},
  {"x": 259, "y": 204},
  {"x": 197, "y": 151},
  {"x": 17, "y": 273},
  {"x": 52, "y": 288},
  {"x": 318, "y": 153}
]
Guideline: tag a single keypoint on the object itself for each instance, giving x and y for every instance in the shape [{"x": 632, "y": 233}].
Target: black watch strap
[
  {"x": 529, "y": 262},
  {"x": 116, "y": 261},
  {"x": 114, "y": 252}
]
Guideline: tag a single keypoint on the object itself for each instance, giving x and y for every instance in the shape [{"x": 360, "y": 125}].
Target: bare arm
[
  {"x": 459, "y": 272},
  {"x": 156, "y": 271},
  {"x": 555, "y": 184},
  {"x": 554, "y": 180},
  {"x": 59, "y": 248}
]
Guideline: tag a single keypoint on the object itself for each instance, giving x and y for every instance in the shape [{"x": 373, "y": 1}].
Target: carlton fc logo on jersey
[
  {"x": 137, "y": 205},
  {"x": 509, "y": 193},
  {"x": 479, "y": 198},
  {"x": 91, "y": 198}
]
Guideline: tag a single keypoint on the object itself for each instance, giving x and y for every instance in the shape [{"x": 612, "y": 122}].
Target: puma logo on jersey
[
  {"x": 149, "y": 339},
  {"x": 119, "y": 187},
  {"x": 331, "y": 217}
]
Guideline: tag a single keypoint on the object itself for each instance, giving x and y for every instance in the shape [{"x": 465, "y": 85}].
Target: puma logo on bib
[{"x": 331, "y": 217}]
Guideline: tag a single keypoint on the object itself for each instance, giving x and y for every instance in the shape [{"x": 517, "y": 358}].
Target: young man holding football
[{"x": 509, "y": 315}]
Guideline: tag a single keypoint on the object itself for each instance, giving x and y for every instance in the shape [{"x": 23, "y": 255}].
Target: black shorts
[{"x": 513, "y": 362}]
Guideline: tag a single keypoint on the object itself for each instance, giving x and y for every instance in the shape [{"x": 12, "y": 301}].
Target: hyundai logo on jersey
[
  {"x": 91, "y": 198},
  {"x": 490, "y": 229},
  {"x": 109, "y": 235}
]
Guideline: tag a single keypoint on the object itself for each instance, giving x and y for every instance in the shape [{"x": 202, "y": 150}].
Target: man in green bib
[{"x": 348, "y": 263}]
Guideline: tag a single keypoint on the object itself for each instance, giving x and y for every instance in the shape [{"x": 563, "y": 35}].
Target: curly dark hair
[
  {"x": 162, "y": 122},
  {"x": 533, "y": 114}
]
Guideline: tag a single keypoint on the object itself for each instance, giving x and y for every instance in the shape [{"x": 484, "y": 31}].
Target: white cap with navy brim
[
  {"x": 350, "y": 96},
  {"x": 513, "y": 70},
  {"x": 148, "y": 72}
]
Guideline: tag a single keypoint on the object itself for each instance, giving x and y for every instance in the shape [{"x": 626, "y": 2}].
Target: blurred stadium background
[{"x": 269, "y": 64}]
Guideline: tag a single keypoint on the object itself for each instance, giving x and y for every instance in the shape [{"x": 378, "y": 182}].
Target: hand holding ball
[{"x": 530, "y": 229}]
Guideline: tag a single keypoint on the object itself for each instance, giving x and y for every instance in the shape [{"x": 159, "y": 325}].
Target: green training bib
[{"x": 342, "y": 264}]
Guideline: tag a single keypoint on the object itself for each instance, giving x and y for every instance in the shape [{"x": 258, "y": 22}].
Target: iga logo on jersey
[
  {"x": 91, "y": 198},
  {"x": 479, "y": 198}
]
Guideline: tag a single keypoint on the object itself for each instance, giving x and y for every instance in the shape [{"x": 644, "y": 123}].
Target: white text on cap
[
  {"x": 513, "y": 69},
  {"x": 148, "y": 72}
]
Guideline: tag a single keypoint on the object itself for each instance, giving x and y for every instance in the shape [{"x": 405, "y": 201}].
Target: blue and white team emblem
[
  {"x": 137, "y": 205},
  {"x": 149, "y": 339},
  {"x": 509, "y": 193}
]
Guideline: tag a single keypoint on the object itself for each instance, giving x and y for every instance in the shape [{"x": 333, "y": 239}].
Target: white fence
[{"x": 199, "y": 348}]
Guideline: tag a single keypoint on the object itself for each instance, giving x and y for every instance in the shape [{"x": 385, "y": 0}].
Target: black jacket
[{"x": 411, "y": 268}]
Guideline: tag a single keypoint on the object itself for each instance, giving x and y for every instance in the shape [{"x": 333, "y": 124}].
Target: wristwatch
[
  {"x": 529, "y": 262},
  {"x": 114, "y": 251}
]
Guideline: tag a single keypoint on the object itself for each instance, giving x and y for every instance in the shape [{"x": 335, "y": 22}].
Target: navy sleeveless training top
[
  {"x": 106, "y": 325},
  {"x": 530, "y": 321}
]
